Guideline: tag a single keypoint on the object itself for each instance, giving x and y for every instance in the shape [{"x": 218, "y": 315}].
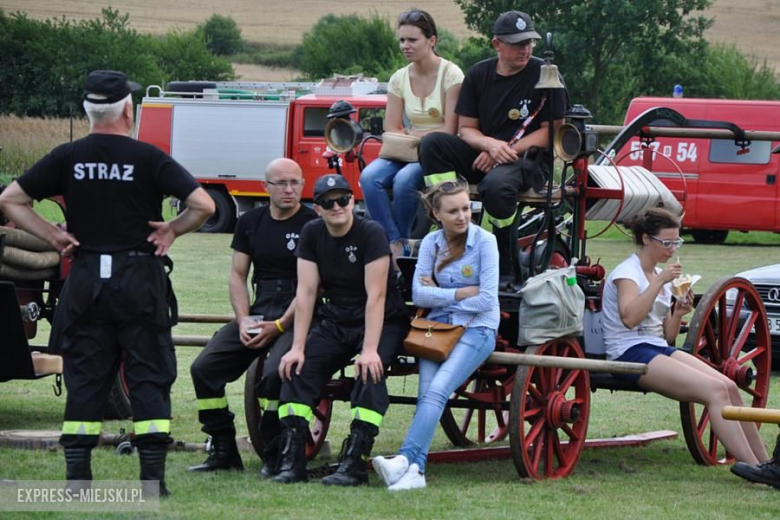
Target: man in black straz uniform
[
  {"x": 266, "y": 238},
  {"x": 503, "y": 122},
  {"x": 117, "y": 304},
  {"x": 363, "y": 314}
]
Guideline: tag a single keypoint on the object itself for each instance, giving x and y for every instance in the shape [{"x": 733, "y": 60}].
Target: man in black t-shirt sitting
[
  {"x": 116, "y": 305},
  {"x": 501, "y": 116},
  {"x": 265, "y": 238},
  {"x": 363, "y": 315}
]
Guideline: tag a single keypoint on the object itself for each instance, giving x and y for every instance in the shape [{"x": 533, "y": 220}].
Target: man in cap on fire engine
[
  {"x": 503, "y": 122},
  {"x": 266, "y": 238},
  {"x": 363, "y": 314},
  {"x": 117, "y": 304}
]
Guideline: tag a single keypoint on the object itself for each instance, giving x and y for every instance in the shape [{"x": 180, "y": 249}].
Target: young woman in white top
[
  {"x": 640, "y": 323},
  {"x": 416, "y": 92}
]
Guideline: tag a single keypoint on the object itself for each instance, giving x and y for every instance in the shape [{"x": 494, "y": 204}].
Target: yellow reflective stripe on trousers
[
  {"x": 152, "y": 426},
  {"x": 489, "y": 220},
  {"x": 268, "y": 405},
  {"x": 435, "y": 178},
  {"x": 366, "y": 415},
  {"x": 214, "y": 403},
  {"x": 81, "y": 427},
  {"x": 295, "y": 410}
]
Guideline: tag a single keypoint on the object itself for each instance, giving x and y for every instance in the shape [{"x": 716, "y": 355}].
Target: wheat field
[{"x": 750, "y": 24}]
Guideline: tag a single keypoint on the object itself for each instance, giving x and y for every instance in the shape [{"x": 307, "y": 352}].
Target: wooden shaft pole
[
  {"x": 205, "y": 318},
  {"x": 593, "y": 365},
  {"x": 502, "y": 358},
  {"x": 190, "y": 341},
  {"x": 701, "y": 133},
  {"x": 744, "y": 413}
]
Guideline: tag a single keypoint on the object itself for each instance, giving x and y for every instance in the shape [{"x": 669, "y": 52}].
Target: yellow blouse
[{"x": 424, "y": 113}]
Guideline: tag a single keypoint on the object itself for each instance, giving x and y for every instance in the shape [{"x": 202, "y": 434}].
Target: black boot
[
  {"x": 292, "y": 456},
  {"x": 270, "y": 458},
  {"x": 224, "y": 454},
  {"x": 506, "y": 267},
  {"x": 153, "y": 468},
  {"x": 270, "y": 430},
  {"x": 353, "y": 460},
  {"x": 78, "y": 469},
  {"x": 764, "y": 473}
]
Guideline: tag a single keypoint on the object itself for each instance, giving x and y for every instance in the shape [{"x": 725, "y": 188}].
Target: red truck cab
[
  {"x": 226, "y": 139},
  {"x": 727, "y": 187}
]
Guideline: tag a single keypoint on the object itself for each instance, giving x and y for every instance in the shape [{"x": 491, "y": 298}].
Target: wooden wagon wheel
[
  {"x": 549, "y": 412},
  {"x": 318, "y": 426},
  {"x": 735, "y": 341},
  {"x": 483, "y": 419},
  {"x": 118, "y": 405}
]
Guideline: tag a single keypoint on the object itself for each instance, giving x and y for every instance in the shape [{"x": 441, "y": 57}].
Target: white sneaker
[
  {"x": 412, "y": 479},
  {"x": 390, "y": 470}
]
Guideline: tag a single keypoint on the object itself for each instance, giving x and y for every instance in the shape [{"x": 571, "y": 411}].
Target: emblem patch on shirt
[
  {"x": 467, "y": 271},
  {"x": 351, "y": 250},
  {"x": 514, "y": 114},
  {"x": 292, "y": 237},
  {"x": 434, "y": 112},
  {"x": 524, "y": 108}
]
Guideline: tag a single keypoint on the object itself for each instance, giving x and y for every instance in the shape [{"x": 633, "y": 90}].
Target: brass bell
[{"x": 548, "y": 78}]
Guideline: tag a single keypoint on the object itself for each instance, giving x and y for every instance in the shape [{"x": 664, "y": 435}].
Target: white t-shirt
[
  {"x": 617, "y": 337},
  {"x": 425, "y": 113}
]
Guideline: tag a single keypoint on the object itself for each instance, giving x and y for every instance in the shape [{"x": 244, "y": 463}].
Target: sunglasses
[
  {"x": 412, "y": 17},
  {"x": 669, "y": 244},
  {"x": 450, "y": 186},
  {"x": 328, "y": 204}
]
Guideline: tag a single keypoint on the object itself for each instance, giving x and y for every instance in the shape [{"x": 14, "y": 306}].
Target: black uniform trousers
[
  {"x": 499, "y": 188},
  {"x": 329, "y": 347},
  {"x": 116, "y": 311},
  {"x": 225, "y": 359}
]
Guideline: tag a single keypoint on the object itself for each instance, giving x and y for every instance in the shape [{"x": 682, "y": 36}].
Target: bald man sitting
[{"x": 265, "y": 238}]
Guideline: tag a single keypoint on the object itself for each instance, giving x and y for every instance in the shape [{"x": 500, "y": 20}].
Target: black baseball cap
[
  {"x": 514, "y": 27},
  {"x": 328, "y": 183},
  {"x": 108, "y": 86}
]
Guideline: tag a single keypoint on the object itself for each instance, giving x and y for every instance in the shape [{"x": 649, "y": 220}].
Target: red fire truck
[
  {"x": 226, "y": 133},
  {"x": 729, "y": 185}
]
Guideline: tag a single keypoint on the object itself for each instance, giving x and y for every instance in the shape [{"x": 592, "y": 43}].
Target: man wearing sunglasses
[
  {"x": 265, "y": 238},
  {"x": 503, "y": 121},
  {"x": 363, "y": 314}
]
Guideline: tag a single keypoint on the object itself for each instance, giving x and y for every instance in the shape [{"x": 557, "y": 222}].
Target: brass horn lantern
[
  {"x": 342, "y": 134},
  {"x": 567, "y": 142}
]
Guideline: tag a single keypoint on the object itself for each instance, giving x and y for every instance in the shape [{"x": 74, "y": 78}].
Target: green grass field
[{"x": 660, "y": 480}]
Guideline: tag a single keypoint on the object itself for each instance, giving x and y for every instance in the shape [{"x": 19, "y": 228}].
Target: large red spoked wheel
[
  {"x": 549, "y": 413},
  {"x": 254, "y": 412},
  {"x": 729, "y": 332},
  {"x": 483, "y": 419}
]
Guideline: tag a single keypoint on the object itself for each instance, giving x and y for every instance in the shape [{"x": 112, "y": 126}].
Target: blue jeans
[
  {"x": 406, "y": 179},
  {"x": 437, "y": 383}
]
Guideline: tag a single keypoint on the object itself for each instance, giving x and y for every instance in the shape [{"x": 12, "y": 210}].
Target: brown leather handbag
[{"x": 432, "y": 340}]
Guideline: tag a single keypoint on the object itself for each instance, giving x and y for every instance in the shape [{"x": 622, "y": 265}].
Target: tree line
[
  {"x": 45, "y": 62},
  {"x": 608, "y": 51}
]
